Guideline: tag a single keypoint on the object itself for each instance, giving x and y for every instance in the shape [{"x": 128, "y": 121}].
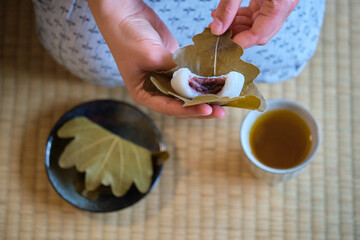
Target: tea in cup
[{"x": 280, "y": 142}]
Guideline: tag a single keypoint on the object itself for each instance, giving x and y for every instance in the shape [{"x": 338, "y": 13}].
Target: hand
[
  {"x": 253, "y": 25},
  {"x": 141, "y": 43}
]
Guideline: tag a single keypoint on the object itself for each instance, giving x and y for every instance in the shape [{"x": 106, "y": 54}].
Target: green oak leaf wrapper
[
  {"x": 106, "y": 158},
  {"x": 200, "y": 60}
]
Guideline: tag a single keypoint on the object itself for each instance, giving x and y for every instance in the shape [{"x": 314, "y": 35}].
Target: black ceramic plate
[{"x": 120, "y": 118}]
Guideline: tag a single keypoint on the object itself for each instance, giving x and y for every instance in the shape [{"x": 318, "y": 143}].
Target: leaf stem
[{"x": 216, "y": 51}]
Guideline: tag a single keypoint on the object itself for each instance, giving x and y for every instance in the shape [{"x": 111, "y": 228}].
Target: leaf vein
[
  {"x": 90, "y": 146},
  {"x": 137, "y": 160},
  {"x": 106, "y": 158}
]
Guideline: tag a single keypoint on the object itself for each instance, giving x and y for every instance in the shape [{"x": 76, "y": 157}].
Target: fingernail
[
  {"x": 207, "y": 112},
  {"x": 216, "y": 26}
]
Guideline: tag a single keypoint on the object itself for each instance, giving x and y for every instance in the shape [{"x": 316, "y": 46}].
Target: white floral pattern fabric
[{"x": 69, "y": 32}]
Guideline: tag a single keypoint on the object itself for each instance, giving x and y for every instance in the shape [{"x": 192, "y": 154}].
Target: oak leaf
[
  {"x": 210, "y": 56},
  {"x": 106, "y": 158}
]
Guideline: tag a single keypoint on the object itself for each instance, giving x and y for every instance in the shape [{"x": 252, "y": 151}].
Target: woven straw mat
[{"x": 206, "y": 191}]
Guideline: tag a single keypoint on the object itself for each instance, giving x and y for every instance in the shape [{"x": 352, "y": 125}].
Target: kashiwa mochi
[{"x": 190, "y": 85}]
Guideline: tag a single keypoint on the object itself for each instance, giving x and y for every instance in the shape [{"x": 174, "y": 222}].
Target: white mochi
[
  {"x": 234, "y": 83},
  {"x": 180, "y": 83}
]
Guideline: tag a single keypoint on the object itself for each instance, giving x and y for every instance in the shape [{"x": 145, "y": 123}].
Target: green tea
[{"x": 280, "y": 139}]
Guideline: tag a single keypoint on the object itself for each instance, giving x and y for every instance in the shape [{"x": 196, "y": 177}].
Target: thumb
[
  {"x": 158, "y": 58},
  {"x": 224, "y": 15}
]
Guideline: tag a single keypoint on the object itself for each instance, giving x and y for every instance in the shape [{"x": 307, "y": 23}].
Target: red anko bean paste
[{"x": 207, "y": 85}]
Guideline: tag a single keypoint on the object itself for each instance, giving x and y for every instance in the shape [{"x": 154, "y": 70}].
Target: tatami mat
[{"x": 206, "y": 191}]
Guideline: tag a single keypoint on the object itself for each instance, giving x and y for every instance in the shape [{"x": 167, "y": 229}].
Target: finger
[
  {"x": 238, "y": 28},
  {"x": 246, "y": 38},
  {"x": 255, "y": 5},
  {"x": 224, "y": 15},
  {"x": 262, "y": 30},
  {"x": 269, "y": 16},
  {"x": 193, "y": 118},
  {"x": 242, "y": 20},
  {"x": 218, "y": 112},
  {"x": 174, "y": 107},
  {"x": 244, "y": 11}
]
